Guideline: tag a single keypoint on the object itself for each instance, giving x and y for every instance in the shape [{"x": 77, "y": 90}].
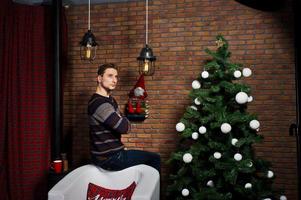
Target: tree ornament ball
[
  {"x": 217, "y": 155},
  {"x": 234, "y": 141},
  {"x": 205, "y": 74},
  {"x": 270, "y": 174},
  {"x": 241, "y": 98},
  {"x": 226, "y": 128},
  {"x": 248, "y": 185},
  {"x": 202, "y": 130},
  {"x": 187, "y": 157},
  {"x": 250, "y": 99},
  {"x": 250, "y": 164},
  {"x": 210, "y": 183},
  {"x": 185, "y": 192},
  {"x": 196, "y": 84},
  {"x": 283, "y": 197},
  {"x": 237, "y": 74},
  {"x": 180, "y": 127},
  {"x": 246, "y": 72},
  {"x": 193, "y": 107},
  {"x": 254, "y": 124},
  {"x": 195, "y": 135},
  {"x": 197, "y": 102},
  {"x": 267, "y": 199},
  {"x": 238, "y": 157}
]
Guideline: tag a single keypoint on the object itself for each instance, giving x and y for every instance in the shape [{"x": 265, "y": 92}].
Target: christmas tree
[{"x": 215, "y": 159}]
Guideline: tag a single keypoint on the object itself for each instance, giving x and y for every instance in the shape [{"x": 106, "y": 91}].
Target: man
[{"x": 107, "y": 125}]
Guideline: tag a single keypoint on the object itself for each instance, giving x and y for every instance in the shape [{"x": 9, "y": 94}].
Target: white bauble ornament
[
  {"x": 246, "y": 72},
  {"x": 202, "y": 130},
  {"x": 237, "y": 74},
  {"x": 197, "y": 102},
  {"x": 234, "y": 141},
  {"x": 205, "y": 74},
  {"x": 238, "y": 157},
  {"x": 250, "y": 164},
  {"x": 195, "y": 135},
  {"x": 226, "y": 128},
  {"x": 282, "y": 197},
  {"x": 193, "y": 107},
  {"x": 248, "y": 185},
  {"x": 267, "y": 199},
  {"x": 217, "y": 155},
  {"x": 180, "y": 127},
  {"x": 185, "y": 192},
  {"x": 241, "y": 98},
  {"x": 270, "y": 174},
  {"x": 196, "y": 84},
  {"x": 254, "y": 124},
  {"x": 187, "y": 157},
  {"x": 210, "y": 183},
  {"x": 250, "y": 99}
]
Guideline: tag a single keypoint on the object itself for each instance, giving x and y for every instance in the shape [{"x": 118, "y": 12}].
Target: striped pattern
[{"x": 106, "y": 125}]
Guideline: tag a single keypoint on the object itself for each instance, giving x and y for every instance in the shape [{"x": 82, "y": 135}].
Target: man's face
[{"x": 109, "y": 79}]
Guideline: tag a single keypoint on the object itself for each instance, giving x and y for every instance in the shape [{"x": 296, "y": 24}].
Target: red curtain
[{"x": 25, "y": 117}]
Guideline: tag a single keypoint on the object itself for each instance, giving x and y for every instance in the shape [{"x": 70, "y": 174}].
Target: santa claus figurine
[
  {"x": 138, "y": 90},
  {"x": 137, "y": 97}
]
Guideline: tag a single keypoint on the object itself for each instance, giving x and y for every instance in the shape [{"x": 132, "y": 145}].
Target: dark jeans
[{"x": 129, "y": 158}]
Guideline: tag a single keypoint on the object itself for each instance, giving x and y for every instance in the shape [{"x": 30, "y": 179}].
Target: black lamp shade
[
  {"x": 88, "y": 46},
  {"x": 147, "y": 53},
  {"x": 146, "y": 61},
  {"x": 88, "y": 39}
]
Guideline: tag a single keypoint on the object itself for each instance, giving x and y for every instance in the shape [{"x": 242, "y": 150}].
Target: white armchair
[{"x": 74, "y": 186}]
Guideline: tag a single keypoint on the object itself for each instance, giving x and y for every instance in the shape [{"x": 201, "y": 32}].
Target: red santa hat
[{"x": 138, "y": 90}]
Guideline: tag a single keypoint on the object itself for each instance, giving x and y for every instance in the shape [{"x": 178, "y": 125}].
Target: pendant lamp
[
  {"x": 146, "y": 59},
  {"x": 88, "y": 45}
]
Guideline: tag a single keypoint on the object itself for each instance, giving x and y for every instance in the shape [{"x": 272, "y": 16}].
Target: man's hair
[{"x": 102, "y": 68}]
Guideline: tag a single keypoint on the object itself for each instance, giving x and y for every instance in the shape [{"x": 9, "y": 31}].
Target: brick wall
[{"x": 179, "y": 31}]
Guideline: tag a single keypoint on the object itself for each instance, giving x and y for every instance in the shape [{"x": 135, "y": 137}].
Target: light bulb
[
  {"x": 146, "y": 65},
  {"x": 88, "y": 51}
]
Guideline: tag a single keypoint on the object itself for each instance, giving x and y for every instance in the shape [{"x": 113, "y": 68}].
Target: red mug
[{"x": 57, "y": 166}]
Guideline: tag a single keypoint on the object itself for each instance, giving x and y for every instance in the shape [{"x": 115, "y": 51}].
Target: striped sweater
[{"x": 106, "y": 126}]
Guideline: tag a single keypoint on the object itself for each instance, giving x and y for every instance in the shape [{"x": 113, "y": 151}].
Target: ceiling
[
  {"x": 69, "y": 2},
  {"x": 266, "y": 5}
]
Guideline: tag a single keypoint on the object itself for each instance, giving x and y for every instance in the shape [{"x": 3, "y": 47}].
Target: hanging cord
[
  {"x": 146, "y": 22},
  {"x": 89, "y": 17}
]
